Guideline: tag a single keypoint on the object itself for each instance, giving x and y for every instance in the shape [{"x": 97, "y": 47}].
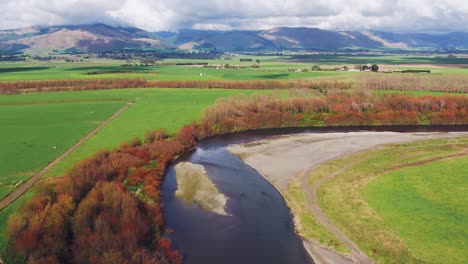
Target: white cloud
[{"x": 398, "y": 15}]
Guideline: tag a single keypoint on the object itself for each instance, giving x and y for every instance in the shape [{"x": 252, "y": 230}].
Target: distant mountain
[
  {"x": 285, "y": 38},
  {"x": 89, "y": 38},
  {"x": 100, "y": 37}
]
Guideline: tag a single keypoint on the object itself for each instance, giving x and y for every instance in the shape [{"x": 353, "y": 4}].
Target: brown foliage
[
  {"x": 91, "y": 217},
  {"x": 336, "y": 108}
]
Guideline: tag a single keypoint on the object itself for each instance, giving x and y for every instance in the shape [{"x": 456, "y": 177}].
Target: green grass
[
  {"x": 164, "y": 71},
  {"x": 155, "y": 108},
  {"x": 37, "y": 130},
  {"x": 427, "y": 206},
  {"x": 332, "y": 59},
  {"x": 341, "y": 199}
]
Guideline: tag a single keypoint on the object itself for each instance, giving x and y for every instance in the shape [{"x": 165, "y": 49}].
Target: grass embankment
[
  {"x": 392, "y": 230},
  {"x": 194, "y": 186},
  {"x": 306, "y": 223}
]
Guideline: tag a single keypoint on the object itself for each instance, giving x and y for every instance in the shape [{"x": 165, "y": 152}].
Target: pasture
[
  {"x": 427, "y": 207},
  {"x": 155, "y": 108},
  {"x": 270, "y": 68},
  {"x": 163, "y": 71},
  {"x": 408, "y": 194},
  {"x": 36, "y": 131}
]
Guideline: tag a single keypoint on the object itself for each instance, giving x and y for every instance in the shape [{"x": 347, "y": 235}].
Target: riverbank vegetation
[
  {"x": 106, "y": 210},
  {"x": 303, "y": 108}
]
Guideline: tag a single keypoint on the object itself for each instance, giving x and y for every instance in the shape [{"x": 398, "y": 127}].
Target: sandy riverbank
[{"x": 281, "y": 158}]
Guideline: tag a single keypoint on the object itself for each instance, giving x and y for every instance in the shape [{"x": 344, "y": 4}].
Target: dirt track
[
  {"x": 31, "y": 181},
  {"x": 284, "y": 158}
]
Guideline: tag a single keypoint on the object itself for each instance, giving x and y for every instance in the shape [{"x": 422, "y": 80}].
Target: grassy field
[
  {"x": 42, "y": 121},
  {"x": 386, "y": 237},
  {"x": 33, "y": 124},
  {"x": 36, "y": 131},
  {"x": 331, "y": 59},
  {"x": 271, "y": 68},
  {"x": 154, "y": 108},
  {"x": 164, "y": 71},
  {"x": 426, "y": 206}
]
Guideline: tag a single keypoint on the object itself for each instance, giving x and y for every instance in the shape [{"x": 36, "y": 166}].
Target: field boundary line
[{"x": 10, "y": 198}]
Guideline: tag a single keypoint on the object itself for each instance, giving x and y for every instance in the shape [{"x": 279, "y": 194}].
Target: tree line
[
  {"x": 337, "y": 108},
  {"x": 395, "y": 82}
]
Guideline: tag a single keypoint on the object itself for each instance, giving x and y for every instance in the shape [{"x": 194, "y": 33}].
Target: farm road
[{"x": 31, "y": 181}]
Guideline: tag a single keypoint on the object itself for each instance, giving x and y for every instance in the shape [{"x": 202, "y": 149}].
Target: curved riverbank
[
  {"x": 305, "y": 152},
  {"x": 210, "y": 153}
]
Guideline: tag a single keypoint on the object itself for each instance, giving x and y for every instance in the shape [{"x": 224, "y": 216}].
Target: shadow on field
[
  {"x": 22, "y": 69},
  {"x": 111, "y": 69},
  {"x": 274, "y": 76}
]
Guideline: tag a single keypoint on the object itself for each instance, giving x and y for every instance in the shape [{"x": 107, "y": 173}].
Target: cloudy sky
[{"x": 157, "y": 15}]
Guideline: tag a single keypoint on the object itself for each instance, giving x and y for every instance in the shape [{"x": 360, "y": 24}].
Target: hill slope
[{"x": 90, "y": 38}]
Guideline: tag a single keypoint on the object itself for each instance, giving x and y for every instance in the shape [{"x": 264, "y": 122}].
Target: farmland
[
  {"x": 425, "y": 205},
  {"x": 270, "y": 68},
  {"x": 38, "y": 127},
  {"x": 407, "y": 211},
  {"x": 114, "y": 69},
  {"x": 35, "y": 131}
]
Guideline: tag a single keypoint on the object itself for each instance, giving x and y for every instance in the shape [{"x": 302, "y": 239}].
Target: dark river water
[{"x": 259, "y": 228}]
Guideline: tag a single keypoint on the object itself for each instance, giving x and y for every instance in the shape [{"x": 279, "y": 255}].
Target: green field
[
  {"x": 164, "y": 71},
  {"x": 36, "y": 131},
  {"x": 332, "y": 59},
  {"x": 406, "y": 214},
  {"x": 155, "y": 108},
  {"x": 36, "y": 128},
  {"x": 427, "y": 206},
  {"x": 271, "y": 68}
]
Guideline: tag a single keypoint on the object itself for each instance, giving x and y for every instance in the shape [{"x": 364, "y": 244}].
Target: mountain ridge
[{"x": 102, "y": 37}]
